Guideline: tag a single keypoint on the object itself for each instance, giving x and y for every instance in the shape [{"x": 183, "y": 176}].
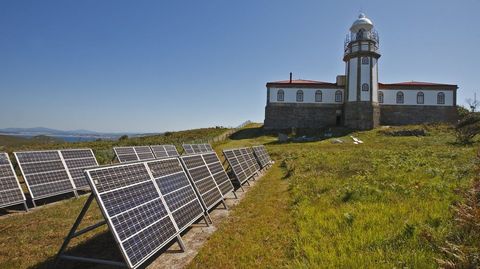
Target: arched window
[
  {"x": 299, "y": 96},
  {"x": 338, "y": 96},
  {"x": 280, "y": 95},
  {"x": 420, "y": 98},
  {"x": 380, "y": 97},
  {"x": 318, "y": 96},
  {"x": 399, "y": 97},
  {"x": 365, "y": 60},
  {"x": 365, "y": 87},
  {"x": 440, "y": 98}
]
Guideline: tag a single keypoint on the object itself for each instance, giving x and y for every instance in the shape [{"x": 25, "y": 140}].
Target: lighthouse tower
[{"x": 361, "y": 109}]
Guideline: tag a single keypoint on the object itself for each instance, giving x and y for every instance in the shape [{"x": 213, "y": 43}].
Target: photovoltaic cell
[
  {"x": 77, "y": 161},
  {"x": 45, "y": 173},
  {"x": 197, "y": 148},
  {"x": 146, "y": 204},
  {"x": 163, "y": 151},
  {"x": 10, "y": 190},
  {"x": 262, "y": 155},
  {"x": 202, "y": 179}
]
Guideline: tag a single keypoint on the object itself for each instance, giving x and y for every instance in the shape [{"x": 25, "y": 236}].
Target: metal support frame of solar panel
[
  {"x": 197, "y": 148},
  {"x": 203, "y": 181},
  {"x": 45, "y": 173},
  {"x": 133, "y": 154},
  {"x": 77, "y": 161},
  {"x": 11, "y": 192},
  {"x": 145, "y": 204},
  {"x": 262, "y": 155},
  {"x": 164, "y": 151}
]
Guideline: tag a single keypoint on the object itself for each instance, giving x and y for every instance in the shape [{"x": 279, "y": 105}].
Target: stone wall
[
  {"x": 283, "y": 116},
  {"x": 404, "y": 114},
  {"x": 362, "y": 115}
]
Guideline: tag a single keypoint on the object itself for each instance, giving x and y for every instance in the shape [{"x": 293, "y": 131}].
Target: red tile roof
[
  {"x": 301, "y": 82},
  {"x": 414, "y": 84}
]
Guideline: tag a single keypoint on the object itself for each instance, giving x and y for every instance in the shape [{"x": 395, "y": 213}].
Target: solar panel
[
  {"x": 163, "y": 151},
  {"x": 242, "y": 163},
  {"x": 146, "y": 205},
  {"x": 203, "y": 180},
  {"x": 261, "y": 155},
  {"x": 77, "y": 161},
  {"x": 197, "y": 148},
  {"x": 235, "y": 166},
  {"x": 218, "y": 172},
  {"x": 45, "y": 173},
  {"x": 10, "y": 190},
  {"x": 131, "y": 154}
]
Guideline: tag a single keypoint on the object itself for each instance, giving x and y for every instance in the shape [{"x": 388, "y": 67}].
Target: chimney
[{"x": 290, "y": 77}]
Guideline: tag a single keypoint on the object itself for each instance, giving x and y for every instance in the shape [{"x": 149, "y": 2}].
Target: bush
[
  {"x": 467, "y": 128},
  {"x": 123, "y": 137}
]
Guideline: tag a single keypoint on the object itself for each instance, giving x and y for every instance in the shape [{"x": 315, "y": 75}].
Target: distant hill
[{"x": 14, "y": 141}]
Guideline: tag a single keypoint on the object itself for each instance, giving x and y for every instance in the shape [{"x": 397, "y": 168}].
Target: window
[
  {"x": 280, "y": 95},
  {"x": 318, "y": 96},
  {"x": 399, "y": 97},
  {"x": 299, "y": 96},
  {"x": 380, "y": 97},
  {"x": 440, "y": 98},
  {"x": 338, "y": 96},
  {"x": 365, "y": 87},
  {"x": 365, "y": 60},
  {"x": 420, "y": 98}
]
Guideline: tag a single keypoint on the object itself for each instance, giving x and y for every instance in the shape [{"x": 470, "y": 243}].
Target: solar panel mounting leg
[
  {"x": 208, "y": 217},
  {"x": 225, "y": 205},
  {"x": 73, "y": 233},
  {"x": 76, "y": 193},
  {"x": 206, "y": 220},
  {"x": 180, "y": 243},
  {"x": 25, "y": 205},
  {"x": 235, "y": 194},
  {"x": 33, "y": 202},
  {"x": 248, "y": 183}
]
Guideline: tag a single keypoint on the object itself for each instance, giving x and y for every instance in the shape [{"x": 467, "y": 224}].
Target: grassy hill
[
  {"x": 386, "y": 203},
  {"x": 103, "y": 149}
]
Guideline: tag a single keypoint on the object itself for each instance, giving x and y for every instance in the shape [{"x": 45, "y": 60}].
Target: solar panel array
[
  {"x": 197, "y": 148},
  {"x": 146, "y": 205},
  {"x": 53, "y": 172},
  {"x": 131, "y": 154},
  {"x": 163, "y": 151},
  {"x": 202, "y": 179},
  {"x": 262, "y": 155},
  {"x": 10, "y": 190},
  {"x": 241, "y": 163},
  {"x": 77, "y": 161},
  {"x": 44, "y": 173}
]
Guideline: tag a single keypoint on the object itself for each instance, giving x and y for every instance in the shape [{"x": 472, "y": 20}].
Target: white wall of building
[
  {"x": 352, "y": 80},
  {"x": 290, "y": 95},
  {"x": 410, "y": 97},
  {"x": 374, "y": 80},
  {"x": 365, "y": 78}
]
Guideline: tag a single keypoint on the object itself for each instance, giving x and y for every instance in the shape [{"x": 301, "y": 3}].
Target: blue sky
[{"x": 170, "y": 65}]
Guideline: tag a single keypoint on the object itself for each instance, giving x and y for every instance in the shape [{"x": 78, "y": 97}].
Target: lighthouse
[{"x": 361, "y": 54}]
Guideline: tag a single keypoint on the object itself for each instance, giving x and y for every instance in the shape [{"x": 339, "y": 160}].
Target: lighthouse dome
[{"x": 361, "y": 23}]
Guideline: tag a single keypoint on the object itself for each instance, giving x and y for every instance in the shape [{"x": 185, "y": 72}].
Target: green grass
[{"x": 384, "y": 204}]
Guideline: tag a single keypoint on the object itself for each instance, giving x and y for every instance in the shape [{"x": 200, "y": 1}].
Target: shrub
[{"x": 467, "y": 128}]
